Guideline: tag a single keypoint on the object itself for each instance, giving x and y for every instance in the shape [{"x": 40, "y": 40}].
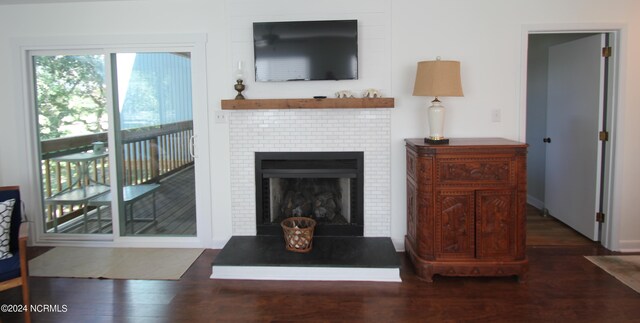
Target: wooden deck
[{"x": 175, "y": 211}]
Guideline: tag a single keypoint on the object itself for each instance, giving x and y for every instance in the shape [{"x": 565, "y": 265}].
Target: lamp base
[
  {"x": 442, "y": 141},
  {"x": 239, "y": 87}
]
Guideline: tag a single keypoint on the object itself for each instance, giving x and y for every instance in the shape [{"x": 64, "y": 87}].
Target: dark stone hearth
[{"x": 358, "y": 252}]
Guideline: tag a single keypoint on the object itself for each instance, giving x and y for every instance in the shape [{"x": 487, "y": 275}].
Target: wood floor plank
[
  {"x": 546, "y": 230},
  {"x": 562, "y": 286}
]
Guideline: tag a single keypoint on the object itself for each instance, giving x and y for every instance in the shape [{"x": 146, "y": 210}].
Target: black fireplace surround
[{"x": 326, "y": 186}]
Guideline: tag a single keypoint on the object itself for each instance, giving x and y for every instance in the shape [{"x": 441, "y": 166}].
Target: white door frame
[
  {"x": 196, "y": 43},
  {"x": 610, "y": 230}
]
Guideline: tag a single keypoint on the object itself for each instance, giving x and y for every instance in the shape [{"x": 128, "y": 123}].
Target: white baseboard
[
  {"x": 306, "y": 273},
  {"x": 398, "y": 244},
  {"x": 219, "y": 244},
  {"x": 535, "y": 202},
  {"x": 629, "y": 246}
]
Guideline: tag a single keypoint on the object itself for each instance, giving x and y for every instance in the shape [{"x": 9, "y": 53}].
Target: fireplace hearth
[{"x": 326, "y": 186}]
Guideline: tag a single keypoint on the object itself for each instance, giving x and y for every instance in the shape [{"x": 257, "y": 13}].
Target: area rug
[
  {"x": 114, "y": 263},
  {"x": 625, "y": 268}
]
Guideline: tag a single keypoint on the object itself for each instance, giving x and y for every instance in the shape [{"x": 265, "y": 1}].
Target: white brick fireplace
[{"x": 366, "y": 130}]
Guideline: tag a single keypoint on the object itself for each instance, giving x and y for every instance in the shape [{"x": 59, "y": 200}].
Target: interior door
[{"x": 573, "y": 117}]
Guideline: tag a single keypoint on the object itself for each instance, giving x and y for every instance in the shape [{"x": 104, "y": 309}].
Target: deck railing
[{"x": 148, "y": 154}]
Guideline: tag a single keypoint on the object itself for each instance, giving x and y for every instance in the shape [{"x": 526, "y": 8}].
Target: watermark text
[{"x": 34, "y": 308}]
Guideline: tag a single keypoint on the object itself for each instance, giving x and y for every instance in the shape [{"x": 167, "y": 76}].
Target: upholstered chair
[{"x": 13, "y": 244}]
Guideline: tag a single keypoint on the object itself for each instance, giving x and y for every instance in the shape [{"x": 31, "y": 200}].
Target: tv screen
[{"x": 306, "y": 50}]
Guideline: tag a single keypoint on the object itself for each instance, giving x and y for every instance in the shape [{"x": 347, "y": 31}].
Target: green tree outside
[{"x": 70, "y": 94}]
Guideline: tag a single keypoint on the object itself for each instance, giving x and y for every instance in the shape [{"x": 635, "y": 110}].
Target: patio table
[{"x": 80, "y": 191}]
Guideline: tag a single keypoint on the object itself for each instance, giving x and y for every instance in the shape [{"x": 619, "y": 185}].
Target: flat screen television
[{"x": 306, "y": 50}]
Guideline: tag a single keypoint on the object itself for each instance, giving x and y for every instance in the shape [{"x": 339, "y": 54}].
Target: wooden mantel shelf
[{"x": 332, "y": 103}]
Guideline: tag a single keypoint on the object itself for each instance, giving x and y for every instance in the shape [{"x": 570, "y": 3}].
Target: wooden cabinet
[{"x": 466, "y": 207}]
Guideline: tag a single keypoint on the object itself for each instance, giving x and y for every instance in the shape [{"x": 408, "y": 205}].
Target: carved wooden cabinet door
[
  {"x": 454, "y": 225},
  {"x": 495, "y": 224}
]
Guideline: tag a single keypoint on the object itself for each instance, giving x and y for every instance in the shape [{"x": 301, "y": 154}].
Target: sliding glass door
[
  {"x": 115, "y": 134},
  {"x": 155, "y": 135},
  {"x": 72, "y": 119}
]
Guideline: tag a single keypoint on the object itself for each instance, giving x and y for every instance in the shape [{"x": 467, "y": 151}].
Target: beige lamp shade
[{"x": 438, "y": 78}]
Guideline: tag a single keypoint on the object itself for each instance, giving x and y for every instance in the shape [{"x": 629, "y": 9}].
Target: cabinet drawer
[{"x": 476, "y": 171}]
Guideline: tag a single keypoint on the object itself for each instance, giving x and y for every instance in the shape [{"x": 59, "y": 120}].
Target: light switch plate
[{"x": 495, "y": 115}]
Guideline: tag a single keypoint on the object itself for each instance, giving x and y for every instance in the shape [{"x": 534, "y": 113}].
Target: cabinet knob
[{"x": 547, "y": 139}]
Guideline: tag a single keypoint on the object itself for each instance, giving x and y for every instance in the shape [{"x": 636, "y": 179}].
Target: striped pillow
[{"x": 6, "y": 209}]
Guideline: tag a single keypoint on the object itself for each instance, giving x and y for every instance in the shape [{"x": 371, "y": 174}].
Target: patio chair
[{"x": 13, "y": 244}]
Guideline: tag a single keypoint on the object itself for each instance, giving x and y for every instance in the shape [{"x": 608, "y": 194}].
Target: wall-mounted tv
[{"x": 306, "y": 50}]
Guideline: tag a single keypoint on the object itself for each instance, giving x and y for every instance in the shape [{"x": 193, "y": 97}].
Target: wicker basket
[{"x": 298, "y": 233}]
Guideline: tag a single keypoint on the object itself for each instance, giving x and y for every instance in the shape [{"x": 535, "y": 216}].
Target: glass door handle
[{"x": 192, "y": 146}]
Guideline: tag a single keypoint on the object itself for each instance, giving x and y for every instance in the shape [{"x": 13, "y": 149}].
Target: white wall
[
  {"x": 486, "y": 36},
  {"x": 374, "y": 36}
]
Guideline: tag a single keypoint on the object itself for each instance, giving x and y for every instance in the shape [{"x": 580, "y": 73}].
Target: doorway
[
  {"x": 152, "y": 148},
  {"x": 114, "y": 131},
  {"x": 567, "y": 108}
]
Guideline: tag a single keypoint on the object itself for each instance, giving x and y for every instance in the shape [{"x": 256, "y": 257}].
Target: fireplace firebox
[{"x": 326, "y": 186}]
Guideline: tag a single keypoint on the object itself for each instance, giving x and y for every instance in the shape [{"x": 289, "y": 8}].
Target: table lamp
[{"x": 437, "y": 78}]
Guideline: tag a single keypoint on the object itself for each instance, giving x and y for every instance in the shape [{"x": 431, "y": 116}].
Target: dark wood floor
[
  {"x": 547, "y": 231},
  {"x": 562, "y": 287}
]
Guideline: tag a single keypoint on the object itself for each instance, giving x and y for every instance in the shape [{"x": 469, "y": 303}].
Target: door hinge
[
  {"x": 604, "y": 136},
  {"x": 606, "y": 52},
  {"x": 600, "y": 217}
]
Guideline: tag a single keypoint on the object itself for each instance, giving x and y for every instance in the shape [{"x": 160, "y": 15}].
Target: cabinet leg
[{"x": 522, "y": 278}]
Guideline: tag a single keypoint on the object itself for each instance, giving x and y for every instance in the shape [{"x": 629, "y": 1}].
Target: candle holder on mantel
[
  {"x": 239, "y": 75},
  {"x": 239, "y": 87}
]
